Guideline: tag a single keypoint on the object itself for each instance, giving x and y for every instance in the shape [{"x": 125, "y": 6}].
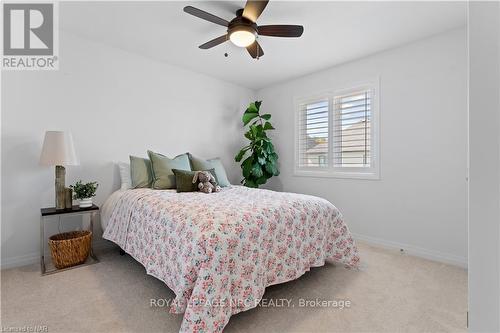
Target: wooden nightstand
[{"x": 76, "y": 210}]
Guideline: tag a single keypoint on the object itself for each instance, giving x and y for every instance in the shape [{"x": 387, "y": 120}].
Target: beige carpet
[{"x": 392, "y": 293}]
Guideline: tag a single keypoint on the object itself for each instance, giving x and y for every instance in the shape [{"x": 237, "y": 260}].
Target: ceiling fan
[{"x": 243, "y": 30}]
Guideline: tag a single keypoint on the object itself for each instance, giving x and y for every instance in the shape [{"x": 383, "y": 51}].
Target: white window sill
[{"x": 369, "y": 175}]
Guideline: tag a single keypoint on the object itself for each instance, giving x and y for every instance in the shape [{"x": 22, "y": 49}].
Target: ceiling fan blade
[
  {"x": 255, "y": 50},
  {"x": 206, "y": 16},
  {"x": 281, "y": 30},
  {"x": 254, "y": 8},
  {"x": 213, "y": 42}
]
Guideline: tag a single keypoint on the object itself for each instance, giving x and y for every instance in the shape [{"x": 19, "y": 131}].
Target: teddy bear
[{"x": 207, "y": 183}]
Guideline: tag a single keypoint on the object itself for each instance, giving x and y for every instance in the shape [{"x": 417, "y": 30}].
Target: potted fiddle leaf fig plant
[
  {"x": 260, "y": 161},
  {"x": 84, "y": 192}
]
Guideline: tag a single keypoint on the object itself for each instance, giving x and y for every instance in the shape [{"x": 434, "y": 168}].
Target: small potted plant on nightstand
[{"x": 84, "y": 192}]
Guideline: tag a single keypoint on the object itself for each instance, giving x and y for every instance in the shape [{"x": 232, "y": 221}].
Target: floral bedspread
[{"x": 218, "y": 252}]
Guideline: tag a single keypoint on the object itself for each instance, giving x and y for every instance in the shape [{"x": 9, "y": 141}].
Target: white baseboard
[
  {"x": 34, "y": 258},
  {"x": 414, "y": 250},
  {"x": 17, "y": 261}
]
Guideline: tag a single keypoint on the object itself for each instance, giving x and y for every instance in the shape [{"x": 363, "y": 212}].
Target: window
[
  {"x": 313, "y": 134},
  {"x": 337, "y": 134}
]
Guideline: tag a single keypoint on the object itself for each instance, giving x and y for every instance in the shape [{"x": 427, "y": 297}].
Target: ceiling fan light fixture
[
  {"x": 242, "y": 36},
  {"x": 243, "y": 30}
]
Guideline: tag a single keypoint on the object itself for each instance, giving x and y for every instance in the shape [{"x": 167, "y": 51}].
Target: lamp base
[{"x": 60, "y": 183}]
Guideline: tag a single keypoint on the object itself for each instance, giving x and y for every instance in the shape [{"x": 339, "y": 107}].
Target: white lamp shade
[{"x": 58, "y": 149}]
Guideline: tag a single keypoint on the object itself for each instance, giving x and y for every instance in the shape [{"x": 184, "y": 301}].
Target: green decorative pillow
[
  {"x": 184, "y": 180},
  {"x": 220, "y": 172},
  {"x": 163, "y": 177},
  {"x": 140, "y": 172},
  {"x": 199, "y": 164}
]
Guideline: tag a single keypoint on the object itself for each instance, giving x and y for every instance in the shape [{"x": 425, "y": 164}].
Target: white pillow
[{"x": 125, "y": 177}]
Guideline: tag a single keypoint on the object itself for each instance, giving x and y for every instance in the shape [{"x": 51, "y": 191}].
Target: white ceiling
[{"x": 334, "y": 32}]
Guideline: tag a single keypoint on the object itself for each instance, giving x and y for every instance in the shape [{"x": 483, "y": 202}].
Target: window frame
[{"x": 372, "y": 172}]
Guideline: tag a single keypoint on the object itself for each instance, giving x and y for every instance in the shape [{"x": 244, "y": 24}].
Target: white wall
[
  {"x": 420, "y": 202},
  {"x": 115, "y": 103},
  {"x": 484, "y": 185}
]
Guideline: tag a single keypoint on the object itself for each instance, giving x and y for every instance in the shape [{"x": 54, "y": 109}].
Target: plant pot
[{"x": 86, "y": 202}]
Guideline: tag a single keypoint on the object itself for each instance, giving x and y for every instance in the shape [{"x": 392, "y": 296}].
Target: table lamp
[{"x": 58, "y": 150}]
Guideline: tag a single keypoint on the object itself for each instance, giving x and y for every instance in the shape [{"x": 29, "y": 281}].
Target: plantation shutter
[
  {"x": 352, "y": 129},
  {"x": 313, "y": 134}
]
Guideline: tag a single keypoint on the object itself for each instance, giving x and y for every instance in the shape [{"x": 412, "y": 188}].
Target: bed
[{"x": 218, "y": 252}]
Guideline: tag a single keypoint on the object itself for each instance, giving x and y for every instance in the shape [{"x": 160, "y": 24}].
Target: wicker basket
[{"x": 70, "y": 248}]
